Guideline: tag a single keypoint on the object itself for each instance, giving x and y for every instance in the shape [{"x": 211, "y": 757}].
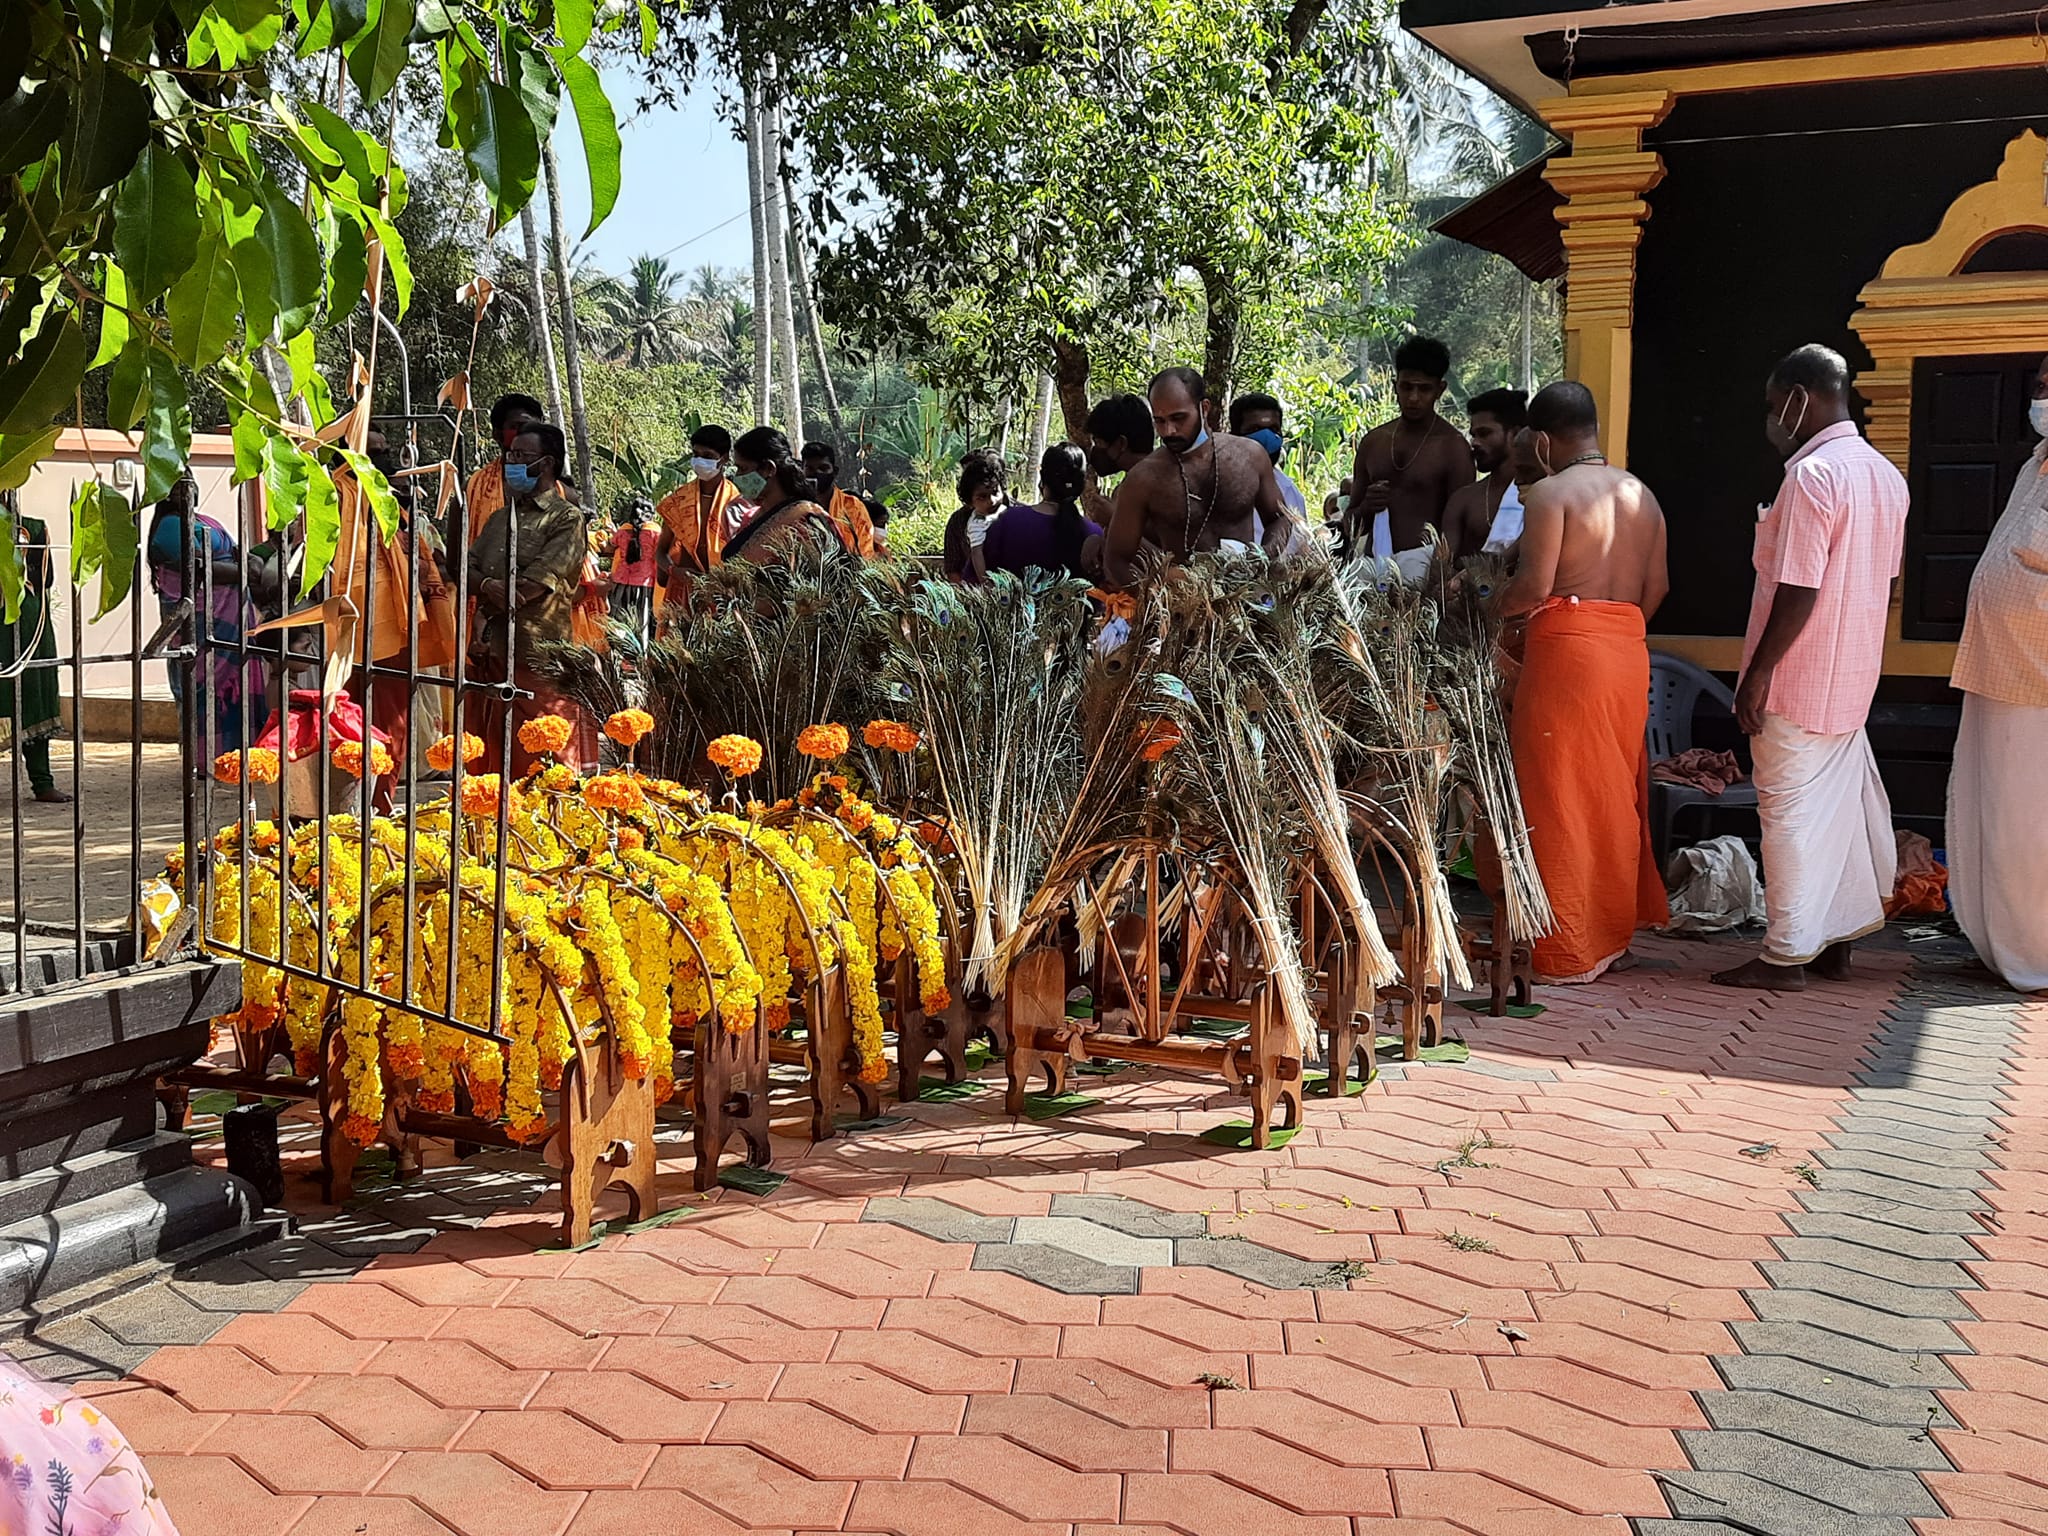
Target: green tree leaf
[
  {"x": 21, "y": 452},
  {"x": 572, "y": 23},
  {"x": 119, "y": 540},
  {"x": 352, "y": 148},
  {"x": 254, "y": 279},
  {"x": 113, "y": 315},
  {"x": 88, "y": 547},
  {"x": 250, "y": 441},
  {"x": 323, "y": 527},
  {"x": 285, "y": 469},
  {"x": 537, "y": 86},
  {"x": 156, "y": 222},
  {"x": 202, "y": 304},
  {"x": 295, "y": 268},
  {"x": 497, "y": 140},
  {"x": 599, "y": 127},
  {"x": 396, "y": 256},
  {"x": 382, "y": 503},
  {"x": 376, "y": 57},
  {"x": 25, "y": 310},
  {"x": 41, "y": 382},
  {"x": 128, "y": 388},
  {"x": 167, "y": 428},
  {"x": 12, "y": 584},
  {"x": 348, "y": 263},
  {"x": 29, "y": 125},
  {"x": 105, "y": 132}
]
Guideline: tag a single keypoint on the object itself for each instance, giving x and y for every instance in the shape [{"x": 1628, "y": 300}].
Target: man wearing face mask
[
  {"x": 1997, "y": 836},
  {"x": 485, "y": 493},
  {"x": 1196, "y": 492},
  {"x": 1259, "y": 417},
  {"x": 698, "y": 516},
  {"x": 1591, "y": 572},
  {"x": 1826, "y": 552},
  {"x": 526, "y": 598},
  {"x": 850, "y": 515}
]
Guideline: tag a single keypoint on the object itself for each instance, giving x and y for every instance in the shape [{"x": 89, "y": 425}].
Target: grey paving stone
[
  {"x": 1865, "y": 1260},
  {"x": 1057, "y": 1269},
  {"x": 1946, "y": 1242},
  {"x": 1509, "y": 1071},
  {"x": 1867, "y": 1290},
  {"x": 1907, "y": 1167},
  {"x": 1886, "y": 1330},
  {"x": 1860, "y": 1490},
  {"x": 1764, "y": 1509},
  {"x": 1825, "y": 1388},
  {"x": 78, "y": 1349},
  {"x": 234, "y": 1284},
  {"x": 1861, "y": 1195},
  {"x": 1934, "y": 1102},
  {"x": 1686, "y": 1528},
  {"x": 1105, "y": 1245},
  {"x": 1249, "y": 1261},
  {"x": 1834, "y": 1434},
  {"x": 940, "y": 1220},
  {"x": 299, "y": 1258},
  {"x": 1881, "y": 1186},
  {"x": 158, "y": 1314},
  {"x": 1966, "y": 1150},
  {"x": 1892, "y": 1104},
  {"x": 1968, "y": 1059},
  {"x": 1131, "y": 1216},
  {"x": 1838, "y": 1354}
]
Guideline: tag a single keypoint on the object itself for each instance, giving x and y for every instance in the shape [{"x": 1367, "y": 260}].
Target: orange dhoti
[{"x": 1579, "y": 716}]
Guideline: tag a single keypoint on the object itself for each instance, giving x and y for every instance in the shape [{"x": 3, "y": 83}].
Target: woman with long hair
[
  {"x": 1047, "y": 535},
  {"x": 790, "y": 521}
]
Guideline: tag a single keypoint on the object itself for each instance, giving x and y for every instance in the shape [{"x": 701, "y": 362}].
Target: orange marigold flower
[
  {"x": 892, "y": 734},
  {"x": 857, "y": 814},
  {"x": 614, "y": 792},
  {"x": 933, "y": 832},
  {"x": 480, "y": 795},
  {"x": 823, "y": 742},
  {"x": 441, "y": 755},
  {"x": 628, "y": 726},
  {"x": 632, "y": 837},
  {"x": 545, "y": 733},
  {"x": 737, "y": 755},
  {"x": 348, "y": 757},
  {"x": 263, "y": 766},
  {"x": 1156, "y": 738}
]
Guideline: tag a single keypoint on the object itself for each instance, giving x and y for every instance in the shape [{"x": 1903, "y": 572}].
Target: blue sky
[{"x": 683, "y": 173}]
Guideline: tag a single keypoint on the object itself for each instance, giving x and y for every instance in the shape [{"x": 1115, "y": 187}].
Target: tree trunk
[
  {"x": 757, "y": 197},
  {"x": 1003, "y": 414},
  {"x": 815, "y": 328},
  {"x": 792, "y": 403},
  {"x": 543, "y": 328},
  {"x": 1219, "y": 359},
  {"x": 1070, "y": 380},
  {"x": 572, "y": 345},
  {"x": 1528, "y": 336},
  {"x": 1041, "y": 429}
]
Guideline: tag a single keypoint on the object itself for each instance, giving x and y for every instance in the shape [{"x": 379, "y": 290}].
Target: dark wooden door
[{"x": 1970, "y": 437}]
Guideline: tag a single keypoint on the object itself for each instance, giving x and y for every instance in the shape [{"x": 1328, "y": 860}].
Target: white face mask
[
  {"x": 2037, "y": 414},
  {"x": 707, "y": 469}
]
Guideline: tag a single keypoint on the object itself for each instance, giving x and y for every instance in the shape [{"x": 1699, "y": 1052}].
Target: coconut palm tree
[{"x": 649, "y": 323}]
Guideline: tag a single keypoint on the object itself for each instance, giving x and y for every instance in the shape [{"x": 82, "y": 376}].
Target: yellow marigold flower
[
  {"x": 480, "y": 795},
  {"x": 614, "y": 792},
  {"x": 545, "y": 733},
  {"x": 737, "y": 755},
  {"x": 823, "y": 742},
  {"x": 441, "y": 755},
  {"x": 628, "y": 726},
  {"x": 892, "y": 734}
]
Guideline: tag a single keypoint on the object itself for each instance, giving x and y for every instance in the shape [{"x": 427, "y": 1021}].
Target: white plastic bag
[{"x": 1714, "y": 886}]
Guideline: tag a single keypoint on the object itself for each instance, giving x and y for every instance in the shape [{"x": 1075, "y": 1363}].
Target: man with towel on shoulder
[
  {"x": 1591, "y": 573},
  {"x": 1826, "y": 552}
]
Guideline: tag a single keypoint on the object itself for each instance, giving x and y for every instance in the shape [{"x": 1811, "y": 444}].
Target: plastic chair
[{"x": 1675, "y": 689}]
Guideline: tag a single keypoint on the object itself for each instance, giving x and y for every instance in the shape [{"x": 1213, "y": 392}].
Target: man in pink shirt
[{"x": 1826, "y": 552}]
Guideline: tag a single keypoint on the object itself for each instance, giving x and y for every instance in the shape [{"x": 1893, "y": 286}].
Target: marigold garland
[
  {"x": 737, "y": 755},
  {"x": 824, "y": 742},
  {"x": 545, "y": 733},
  {"x": 480, "y": 794},
  {"x": 441, "y": 755},
  {"x": 614, "y": 792},
  {"x": 348, "y": 757},
  {"x": 263, "y": 766},
  {"x": 629, "y": 726}
]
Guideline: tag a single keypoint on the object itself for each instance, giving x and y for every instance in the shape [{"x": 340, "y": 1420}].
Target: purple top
[{"x": 1023, "y": 538}]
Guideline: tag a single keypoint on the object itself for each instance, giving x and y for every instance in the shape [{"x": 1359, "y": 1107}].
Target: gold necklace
[{"x": 1394, "y": 448}]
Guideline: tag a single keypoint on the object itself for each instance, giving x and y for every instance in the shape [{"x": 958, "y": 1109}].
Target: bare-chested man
[
  {"x": 1591, "y": 573},
  {"x": 1197, "y": 491},
  {"x": 1488, "y": 514},
  {"x": 1406, "y": 471}
]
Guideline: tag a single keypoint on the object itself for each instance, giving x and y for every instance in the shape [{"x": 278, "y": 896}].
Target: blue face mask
[
  {"x": 1269, "y": 440},
  {"x": 520, "y": 480}
]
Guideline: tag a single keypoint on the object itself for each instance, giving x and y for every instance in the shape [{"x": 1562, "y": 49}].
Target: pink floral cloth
[{"x": 65, "y": 1470}]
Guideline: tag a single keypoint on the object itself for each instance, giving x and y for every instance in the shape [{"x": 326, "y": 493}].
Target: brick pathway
[{"x": 1663, "y": 1257}]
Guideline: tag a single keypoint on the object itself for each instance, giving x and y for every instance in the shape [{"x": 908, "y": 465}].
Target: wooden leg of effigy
[
  {"x": 728, "y": 1095},
  {"x": 1422, "y": 1011},
  {"x": 1036, "y": 999},
  {"x": 834, "y": 1065},
  {"x": 605, "y": 1137},
  {"x": 1270, "y": 1067},
  {"x": 337, "y": 1153},
  {"x": 920, "y": 1035},
  {"x": 1343, "y": 1044}
]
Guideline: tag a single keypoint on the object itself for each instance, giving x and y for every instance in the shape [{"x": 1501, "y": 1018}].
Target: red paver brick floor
[{"x": 1550, "y": 1265}]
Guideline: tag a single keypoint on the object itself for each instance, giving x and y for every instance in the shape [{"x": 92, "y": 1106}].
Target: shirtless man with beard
[{"x": 1197, "y": 491}]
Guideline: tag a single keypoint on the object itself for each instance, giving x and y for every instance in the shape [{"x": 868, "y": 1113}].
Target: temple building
[{"x": 1737, "y": 177}]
